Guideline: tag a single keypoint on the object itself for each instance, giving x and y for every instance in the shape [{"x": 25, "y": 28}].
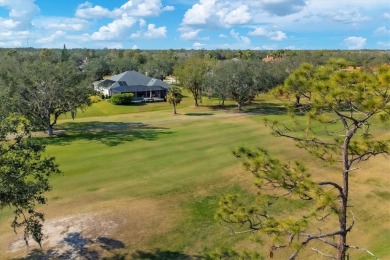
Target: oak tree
[{"x": 46, "y": 90}]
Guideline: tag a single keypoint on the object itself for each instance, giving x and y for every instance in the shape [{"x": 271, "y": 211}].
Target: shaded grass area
[{"x": 108, "y": 133}]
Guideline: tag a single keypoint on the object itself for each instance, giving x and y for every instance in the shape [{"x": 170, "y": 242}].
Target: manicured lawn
[{"x": 155, "y": 179}]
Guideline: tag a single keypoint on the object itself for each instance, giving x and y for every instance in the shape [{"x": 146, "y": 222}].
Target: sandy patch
[{"x": 72, "y": 237}]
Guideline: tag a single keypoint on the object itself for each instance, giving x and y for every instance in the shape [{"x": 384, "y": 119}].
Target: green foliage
[
  {"x": 43, "y": 91},
  {"x": 235, "y": 80},
  {"x": 24, "y": 175},
  {"x": 174, "y": 97},
  {"x": 122, "y": 99},
  {"x": 344, "y": 102},
  {"x": 95, "y": 99},
  {"x": 191, "y": 75}
]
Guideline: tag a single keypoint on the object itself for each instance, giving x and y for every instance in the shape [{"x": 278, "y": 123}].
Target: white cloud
[
  {"x": 8, "y": 24},
  {"x": 382, "y": 31},
  {"x": 347, "y": 16},
  {"x": 169, "y": 8},
  {"x": 198, "y": 45},
  {"x": 151, "y": 33},
  {"x": 188, "y": 34},
  {"x": 217, "y": 14},
  {"x": 135, "y": 47},
  {"x": 222, "y": 36},
  {"x": 265, "y": 32},
  {"x": 355, "y": 43},
  {"x": 384, "y": 44},
  {"x": 21, "y": 13},
  {"x": 241, "y": 39},
  {"x": 61, "y": 23},
  {"x": 240, "y": 15},
  {"x": 199, "y": 13},
  {"x": 10, "y": 44},
  {"x": 141, "y": 8},
  {"x": 386, "y": 15},
  {"x": 116, "y": 30},
  {"x": 87, "y": 10},
  {"x": 51, "y": 38}
]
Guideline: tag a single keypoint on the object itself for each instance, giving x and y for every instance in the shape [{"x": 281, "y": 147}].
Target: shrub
[
  {"x": 95, "y": 99},
  {"x": 122, "y": 99}
]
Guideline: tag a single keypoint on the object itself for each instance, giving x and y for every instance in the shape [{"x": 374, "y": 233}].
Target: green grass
[{"x": 160, "y": 176}]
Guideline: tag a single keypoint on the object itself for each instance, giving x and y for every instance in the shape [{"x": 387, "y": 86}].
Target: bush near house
[{"x": 122, "y": 99}]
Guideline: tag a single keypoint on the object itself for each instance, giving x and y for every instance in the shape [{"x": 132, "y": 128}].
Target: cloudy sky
[{"x": 196, "y": 24}]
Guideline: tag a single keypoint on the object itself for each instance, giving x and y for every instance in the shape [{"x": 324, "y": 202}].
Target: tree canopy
[
  {"x": 24, "y": 174},
  {"x": 174, "y": 97},
  {"x": 45, "y": 90},
  {"x": 342, "y": 103},
  {"x": 191, "y": 75}
]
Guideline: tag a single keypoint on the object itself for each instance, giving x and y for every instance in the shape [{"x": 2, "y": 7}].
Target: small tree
[
  {"x": 64, "y": 54},
  {"x": 174, "y": 97},
  {"x": 191, "y": 75},
  {"x": 24, "y": 174},
  {"x": 297, "y": 83},
  {"x": 346, "y": 101}
]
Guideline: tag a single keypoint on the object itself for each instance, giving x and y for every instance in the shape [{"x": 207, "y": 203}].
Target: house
[{"x": 134, "y": 82}]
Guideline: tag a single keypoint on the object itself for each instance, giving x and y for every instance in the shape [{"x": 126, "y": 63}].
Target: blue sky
[{"x": 196, "y": 24}]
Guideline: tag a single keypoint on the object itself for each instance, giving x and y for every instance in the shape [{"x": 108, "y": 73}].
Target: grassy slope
[{"x": 160, "y": 177}]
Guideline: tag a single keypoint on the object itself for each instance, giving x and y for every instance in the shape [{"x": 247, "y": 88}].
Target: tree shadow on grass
[
  {"x": 263, "y": 108},
  {"x": 266, "y": 108},
  {"x": 78, "y": 247},
  {"x": 108, "y": 133},
  {"x": 163, "y": 255},
  {"x": 224, "y": 107},
  {"x": 199, "y": 114}
]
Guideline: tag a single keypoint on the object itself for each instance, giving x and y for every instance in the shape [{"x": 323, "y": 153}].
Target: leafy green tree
[
  {"x": 97, "y": 68},
  {"x": 46, "y": 90},
  {"x": 174, "y": 97},
  {"x": 298, "y": 83},
  {"x": 64, "y": 54},
  {"x": 24, "y": 174},
  {"x": 345, "y": 102},
  {"x": 191, "y": 75}
]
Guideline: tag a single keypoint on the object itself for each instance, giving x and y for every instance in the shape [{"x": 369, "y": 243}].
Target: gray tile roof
[{"x": 133, "y": 78}]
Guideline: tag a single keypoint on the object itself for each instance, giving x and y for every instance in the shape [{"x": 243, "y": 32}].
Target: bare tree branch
[{"x": 325, "y": 255}]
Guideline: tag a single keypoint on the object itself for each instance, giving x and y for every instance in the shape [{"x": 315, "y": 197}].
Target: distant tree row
[{"x": 160, "y": 63}]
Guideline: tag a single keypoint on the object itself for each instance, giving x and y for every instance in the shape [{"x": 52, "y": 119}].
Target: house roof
[
  {"x": 133, "y": 78},
  {"x": 105, "y": 83},
  {"x": 136, "y": 88}
]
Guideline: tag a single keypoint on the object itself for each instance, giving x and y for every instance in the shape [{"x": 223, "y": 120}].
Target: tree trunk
[
  {"x": 174, "y": 109},
  {"x": 342, "y": 244},
  {"x": 239, "y": 105},
  {"x": 297, "y": 101},
  {"x": 196, "y": 102},
  {"x": 50, "y": 130}
]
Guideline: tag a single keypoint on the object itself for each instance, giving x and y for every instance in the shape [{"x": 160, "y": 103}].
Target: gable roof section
[
  {"x": 105, "y": 83},
  {"x": 133, "y": 78}
]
